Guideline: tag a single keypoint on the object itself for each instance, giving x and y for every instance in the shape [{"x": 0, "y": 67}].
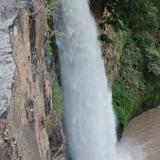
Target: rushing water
[{"x": 89, "y": 120}]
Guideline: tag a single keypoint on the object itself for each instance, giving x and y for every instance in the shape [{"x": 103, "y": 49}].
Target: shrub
[
  {"x": 153, "y": 61},
  {"x": 139, "y": 16},
  {"x": 123, "y": 105}
]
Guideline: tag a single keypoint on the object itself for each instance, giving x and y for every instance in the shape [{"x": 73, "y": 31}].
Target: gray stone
[{"x": 7, "y": 64}]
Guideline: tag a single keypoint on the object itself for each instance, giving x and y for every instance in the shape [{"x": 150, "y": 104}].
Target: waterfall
[{"x": 89, "y": 120}]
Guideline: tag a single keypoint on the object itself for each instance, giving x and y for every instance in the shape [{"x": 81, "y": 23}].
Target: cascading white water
[{"x": 89, "y": 120}]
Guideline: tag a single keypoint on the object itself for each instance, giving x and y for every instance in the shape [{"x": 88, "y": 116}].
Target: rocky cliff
[{"x": 26, "y": 102}]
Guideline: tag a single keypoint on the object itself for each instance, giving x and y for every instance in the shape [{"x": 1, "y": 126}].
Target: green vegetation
[
  {"x": 50, "y": 6},
  {"x": 124, "y": 108},
  {"x": 136, "y": 85},
  {"x": 153, "y": 62},
  {"x": 139, "y": 16},
  {"x": 48, "y": 45},
  {"x": 128, "y": 86},
  {"x": 57, "y": 98},
  {"x": 152, "y": 96}
]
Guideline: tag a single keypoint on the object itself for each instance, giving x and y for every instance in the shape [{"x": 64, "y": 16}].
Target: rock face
[
  {"x": 7, "y": 70},
  {"x": 7, "y": 65},
  {"x": 22, "y": 127},
  {"x": 145, "y": 131},
  {"x": 7, "y": 9}
]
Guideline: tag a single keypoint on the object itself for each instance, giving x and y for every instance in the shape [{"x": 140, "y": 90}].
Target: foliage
[
  {"x": 50, "y": 6},
  {"x": 157, "y": 4},
  {"x": 57, "y": 98},
  {"x": 105, "y": 38},
  {"x": 143, "y": 41},
  {"x": 123, "y": 104},
  {"x": 139, "y": 16},
  {"x": 128, "y": 85},
  {"x": 152, "y": 96},
  {"x": 153, "y": 62},
  {"x": 137, "y": 83},
  {"x": 48, "y": 45}
]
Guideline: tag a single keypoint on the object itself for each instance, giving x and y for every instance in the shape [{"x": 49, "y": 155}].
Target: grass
[
  {"x": 57, "y": 98},
  {"x": 50, "y": 6},
  {"x": 48, "y": 45},
  {"x": 123, "y": 104}
]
